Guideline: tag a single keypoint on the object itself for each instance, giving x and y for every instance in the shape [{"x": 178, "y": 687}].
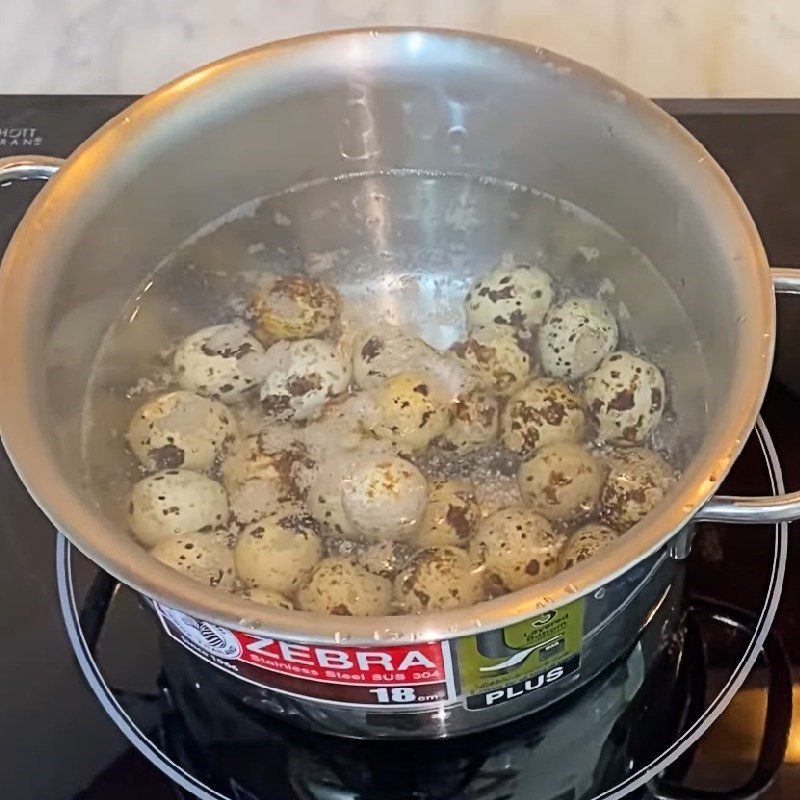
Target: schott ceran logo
[
  {"x": 12, "y": 136},
  {"x": 214, "y": 639}
]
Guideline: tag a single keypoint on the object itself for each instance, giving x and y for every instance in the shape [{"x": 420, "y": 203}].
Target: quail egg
[
  {"x": 544, "y": 412},
  {"x": 636, "y": 483},
  {"x": 275, "y": 456},
  {"x": 518, "y": 297},
  {"x": 294, "y": 308},
  {"x": 324, "y": 499},
  {"x": 253, "y": 500},
  {"x": 304, "y": 374},
  {"x": 438, "y": 578},
  {"x": 343, "y": 423},
  {"x": 181, "y": 429},
  {"x": 475, "y": 415},
  {"x": 412, "y": 410},
  {"x": 339, "y": 586},
  {"x": 625, "y": 397},
  {"x": 561, "y": 481},
  {"x": 584, "y": 543},
  {"x": 385, "y": 558},
  {"x": 451, "y": 516},
  {"x": 267, "y": 597},
  {"x": 175, "y": 502},
  {"x": 494, "y": 356},
  {"x": 203, "y": 557},
  {"x": 385, "y": 351},
  {"x": 210, "y": 361},
  {"x": 384, "y": 498},
  {"x": 279, "y": 551},
  {"x": 517, "y": 547},
  {"x": 576, "y": 336}
]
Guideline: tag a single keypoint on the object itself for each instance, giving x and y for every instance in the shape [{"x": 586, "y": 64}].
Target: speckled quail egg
[
  {"x": 275, "y": 455},
  {"x": 294, "y": 307},
  {"x": 267, "y": 597},
  {"x": 385, "y": 558},
  {"x": 584, "y": 543},
  {"x": 475, "y": 416},
  {"x": 279, "y": 551},
  {"x": 341, "y": 587},
  {"x": 209, "y": 361},
  {"x": 561, "y": 481},
  {"x": 438, "y": 578},
  {"x": 384, "y": 498},
  {"x": 175, "y": 502},
  {"x": 385, "y": 350},
  {"x": 517, "y": 547},
  {"x": 249, "y": 418},
  {"x": 412, "y": 410},
  {"x": 181, "y": 429},
  {"x": 324, "y": 497},
  {"x": 343, "y": 423},
  {"x": 625, "y": 397},
  {"x": 543, "y": 412},
  {"x": 451, "y": 515},
  {"x": 303, "y": 375},
  {"x": 253, "y": 500},
  {"x": 576, "y": 336},
  {"x": 518, "y": 297},
  {"x": 203, "y": 557},
  {"x": 494, "y": 356},
  {"x": 636, "y": 483}
]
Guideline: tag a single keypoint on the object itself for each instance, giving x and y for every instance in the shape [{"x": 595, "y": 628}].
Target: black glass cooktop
[{"x": 87, "y": 712}]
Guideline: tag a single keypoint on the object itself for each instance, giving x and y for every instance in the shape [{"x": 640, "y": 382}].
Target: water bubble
[{"x": 456, "y": 137}]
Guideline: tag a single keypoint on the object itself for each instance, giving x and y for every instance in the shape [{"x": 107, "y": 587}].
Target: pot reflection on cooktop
[{"x": 61, "y": 743}]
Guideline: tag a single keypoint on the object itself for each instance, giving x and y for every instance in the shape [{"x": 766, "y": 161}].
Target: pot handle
[
  {"x": 768, "y": 509},
  {"x": 28, "y": 168}
]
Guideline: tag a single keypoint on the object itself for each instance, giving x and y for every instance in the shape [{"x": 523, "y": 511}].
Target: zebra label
[{"x": 410, "y": 676}]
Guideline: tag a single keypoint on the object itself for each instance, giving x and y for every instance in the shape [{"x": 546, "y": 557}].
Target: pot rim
[{"x": 131, "y": 564}]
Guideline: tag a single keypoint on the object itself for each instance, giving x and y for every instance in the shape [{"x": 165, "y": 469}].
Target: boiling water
[{"x": 400, "y": 247}]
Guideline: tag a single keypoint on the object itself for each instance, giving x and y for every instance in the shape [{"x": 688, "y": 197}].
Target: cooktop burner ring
[{"x": 93, "y": 673}]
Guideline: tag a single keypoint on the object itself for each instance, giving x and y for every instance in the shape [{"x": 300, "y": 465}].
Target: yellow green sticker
[{"x": 500, "y": 665}]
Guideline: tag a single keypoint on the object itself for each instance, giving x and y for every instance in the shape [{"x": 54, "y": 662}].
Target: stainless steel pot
[{"x": 357, "y": 101}]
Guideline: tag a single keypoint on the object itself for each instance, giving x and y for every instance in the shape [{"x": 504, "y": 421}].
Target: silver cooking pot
[{"x": 316, "y": 108}]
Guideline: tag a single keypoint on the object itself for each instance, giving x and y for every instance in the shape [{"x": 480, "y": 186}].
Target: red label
[
  {"x": 381, "y": 676},
  {"x": 418, "y": 664}
]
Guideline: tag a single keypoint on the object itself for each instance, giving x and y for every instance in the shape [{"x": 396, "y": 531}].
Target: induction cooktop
[{"x": 92, "y": 707}]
